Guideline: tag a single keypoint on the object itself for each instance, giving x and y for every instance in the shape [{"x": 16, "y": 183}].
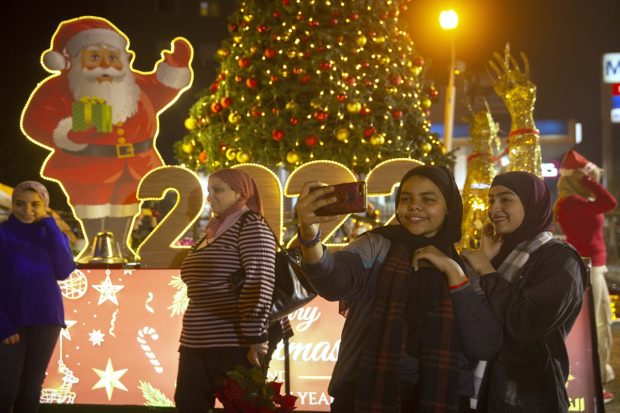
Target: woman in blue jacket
[{"x": 34, "y": 255}]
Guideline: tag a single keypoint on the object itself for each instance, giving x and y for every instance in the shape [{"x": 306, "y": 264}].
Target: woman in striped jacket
[{"x": 223, "y": 328}]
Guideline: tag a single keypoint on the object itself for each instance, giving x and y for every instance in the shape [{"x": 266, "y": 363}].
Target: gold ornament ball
[
  {"x": 426, "y": 147},
  {"x": 291, "y": 105},
  {"x": 243, "y": 157},
  {"x": 190, "y": 123},
  {"x": 221, "y": 52},
  {"x": 292, "y": 157},
  {"x": 354, "y": 107},
  {"x": 342, "y": 134},
  {"x": 379, "y": 39},
  {"x": 377, "y": 139},
  {"x": 253, "y": 50},
  {"x": 385, "y": 60},
  {"x": 234, "y": 117},
  {"x": 187, "y": 147},
  {"x": 231, "y": 154},
  {"x": 426, "y": 103},
  {"x": 236, "y": 39},
  {"x": 392, "y": 90},
  {"x": 291, "y": 53},
  {"x": 361, "y": 41}
]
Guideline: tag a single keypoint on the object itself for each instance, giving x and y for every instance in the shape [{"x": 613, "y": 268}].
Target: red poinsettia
[{"x": 247, "y": 390}]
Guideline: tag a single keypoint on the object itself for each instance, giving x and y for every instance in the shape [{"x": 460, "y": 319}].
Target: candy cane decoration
[{"x": 152, "y": 333}]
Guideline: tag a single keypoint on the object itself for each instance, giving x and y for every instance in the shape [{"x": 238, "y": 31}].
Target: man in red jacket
[
  {"x": 99, "y": 154},
  {"x": 581, "y": 203}
]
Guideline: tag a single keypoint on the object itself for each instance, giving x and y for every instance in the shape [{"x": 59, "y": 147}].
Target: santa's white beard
[{"x": 121, "y": 93}]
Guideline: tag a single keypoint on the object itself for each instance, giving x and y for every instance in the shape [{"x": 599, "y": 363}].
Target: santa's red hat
[
  {"x": 573, "y": 161},
  {"x": 75, "y": 34}
]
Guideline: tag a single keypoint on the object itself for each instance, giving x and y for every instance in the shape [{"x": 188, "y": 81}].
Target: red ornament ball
[
  {"x": 305, "y": 79},
  {"x": 314, "y": 23},
  {"x": 320, "y": 116},
  {"x": 251, "y": 82},
  {"x": 244, "y": 62},
  {"x": 262, "y": 28},
  {"x": 354, "y": 16},
  {"x": 226, "y": 101},
  {"x": 270, "y": 52},
  {"x": 397, "y": 114},
  {"x": 294, "y": 121},
  {"x": 202, "y": 157},
  {"x": 216, "y": 107},
  {"x": 326, "y": 65},
  {"x": 369, "y": 131},
  {"x": 311, "y": 140},
  {"x": 341, "y": 97},
  {"x": 418, "y": 61},
  {"x": 433, "y": 92},
  {"x": 396, "y": 80},
  {"x": 238, "y": 79},
  {"x": 277, "y": 135}
]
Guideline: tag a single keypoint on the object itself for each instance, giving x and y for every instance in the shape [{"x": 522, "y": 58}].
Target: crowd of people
[{"x": 428, "y": 329}]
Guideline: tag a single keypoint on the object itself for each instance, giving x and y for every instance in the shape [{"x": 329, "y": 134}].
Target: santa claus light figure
[{"x": 99, "y": 117}]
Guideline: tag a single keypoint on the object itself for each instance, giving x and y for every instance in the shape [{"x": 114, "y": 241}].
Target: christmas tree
[{"x": 314, "y": 79}]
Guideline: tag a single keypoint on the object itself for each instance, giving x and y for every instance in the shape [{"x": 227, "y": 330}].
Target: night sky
[{"x": 564, "y": 41}]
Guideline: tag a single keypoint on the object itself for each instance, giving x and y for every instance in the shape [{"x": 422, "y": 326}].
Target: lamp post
[{"x": 448, "y": 20}]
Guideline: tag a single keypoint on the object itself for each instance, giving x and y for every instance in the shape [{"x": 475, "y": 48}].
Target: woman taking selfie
[
  {"x": 415, "y": 327},
  {"x": 534, "y": 284}
]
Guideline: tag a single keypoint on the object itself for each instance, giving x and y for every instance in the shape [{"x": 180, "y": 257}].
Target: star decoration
[
  {"x": 107, "y": 291},
  {"x": 96, "y": 337},
  {"x": 65, "y": 331},
  {"x": 109, "y": 379}
]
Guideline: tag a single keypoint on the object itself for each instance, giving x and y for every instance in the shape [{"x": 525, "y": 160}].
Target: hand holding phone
[{"x": 350, "y": 197}]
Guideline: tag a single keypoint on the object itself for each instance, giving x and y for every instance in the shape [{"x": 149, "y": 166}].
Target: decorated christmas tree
[{"x": 303, "y": 80}]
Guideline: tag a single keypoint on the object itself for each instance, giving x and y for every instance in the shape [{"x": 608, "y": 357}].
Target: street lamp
[{"x": 448, "y": 20}]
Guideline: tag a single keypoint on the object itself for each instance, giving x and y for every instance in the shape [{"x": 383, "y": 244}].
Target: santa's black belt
[{"x": 120, "y": 150}]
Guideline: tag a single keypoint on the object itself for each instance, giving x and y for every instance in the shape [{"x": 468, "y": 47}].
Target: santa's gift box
[{"x": 89, "y": 112}]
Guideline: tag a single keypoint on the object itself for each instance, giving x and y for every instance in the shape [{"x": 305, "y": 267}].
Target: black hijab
[
  {"x": 536, "y": 200},
  {"x": 450, "y": 231}
]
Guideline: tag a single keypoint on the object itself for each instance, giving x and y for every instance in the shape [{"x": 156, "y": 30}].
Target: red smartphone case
[{"x": 351, "y": 198}]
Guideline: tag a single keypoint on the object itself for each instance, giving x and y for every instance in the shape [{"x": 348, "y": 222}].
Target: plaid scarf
[
  {"x": 378, "y": 386},
  {"x": 519, "y": 256},
  {"x": 508, "y": 269}
]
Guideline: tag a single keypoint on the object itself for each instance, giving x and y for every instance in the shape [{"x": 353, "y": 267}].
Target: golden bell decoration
[
  {"x": 190, "y": 123},
  {"x": 426, "y": 147},
  {"x": 292, "y": 157},
  {"x": 354, "y": 107},
  {"x": 342, "y": 134},
  {"x": 187, "y": 147},
  {"x": 242, "y": 157},
  {"x": 234, "y": 118},
  {"x": 291, "y": 105},
  {"x": 231, "y": 154},
  {"x": 104, "y": 250},
  {"x": 377, "y": 139}
]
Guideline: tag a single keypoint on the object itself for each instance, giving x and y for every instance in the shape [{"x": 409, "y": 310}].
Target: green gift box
[{"x": 89, "y": 112}]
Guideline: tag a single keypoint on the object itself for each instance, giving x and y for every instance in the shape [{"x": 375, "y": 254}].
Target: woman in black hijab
[
  {"x": 534, "y": 284},
  {"x": 415, "y": 325}
]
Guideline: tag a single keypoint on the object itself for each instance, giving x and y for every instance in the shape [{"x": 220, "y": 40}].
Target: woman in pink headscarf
[{"x": 223, "y": 328}]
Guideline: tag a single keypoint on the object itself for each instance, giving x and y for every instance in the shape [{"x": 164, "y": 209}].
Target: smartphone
[{"x": 351, "y": 198}]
